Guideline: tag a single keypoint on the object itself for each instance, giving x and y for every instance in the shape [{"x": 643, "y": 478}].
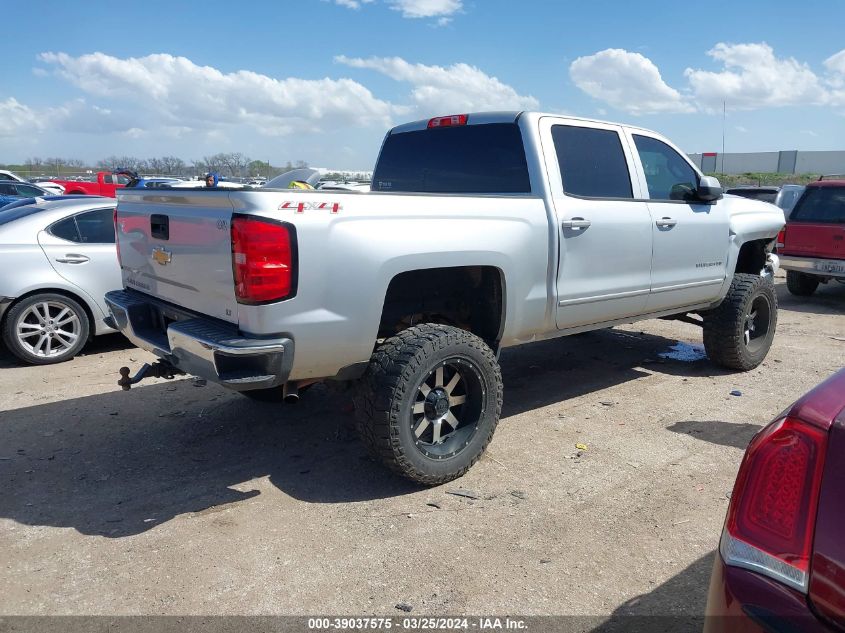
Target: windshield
[
  {"x": 820, "y": 204},
  {"x": 479, "y": 159}
]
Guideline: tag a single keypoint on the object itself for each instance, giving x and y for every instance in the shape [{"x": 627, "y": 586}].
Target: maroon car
[{"x": 782, "y": 555}]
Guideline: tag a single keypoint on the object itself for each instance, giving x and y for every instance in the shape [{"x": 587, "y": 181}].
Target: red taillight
[
  {"x": 448, "y": 121},
  {"x": 781, "y": 241},
  {"x": 262, "y": 260},
  {"x": 770, "y": 521}
]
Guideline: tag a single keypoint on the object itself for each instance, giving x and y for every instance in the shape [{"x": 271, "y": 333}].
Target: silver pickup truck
[{"x": 481, "y": 231}]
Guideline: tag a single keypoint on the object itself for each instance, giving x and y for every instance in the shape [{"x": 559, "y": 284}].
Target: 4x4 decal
[{"x": 302, "y": 207}]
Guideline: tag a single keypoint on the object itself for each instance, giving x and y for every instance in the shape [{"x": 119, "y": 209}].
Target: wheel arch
[
  {"x": 472, "y": 297},
  {"x": 751, "y": 257},
  {"x": 92, "y": 327}
]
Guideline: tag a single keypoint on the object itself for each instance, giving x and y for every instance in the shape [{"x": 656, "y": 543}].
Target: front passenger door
[{"x": 691, "y": 238}]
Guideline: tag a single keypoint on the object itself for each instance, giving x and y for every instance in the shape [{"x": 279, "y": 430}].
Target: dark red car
[
  {"x": 812, "y": 245},
  {"x": 782, "y": 555}
]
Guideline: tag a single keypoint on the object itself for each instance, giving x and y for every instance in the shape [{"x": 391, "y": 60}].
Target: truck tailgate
[
  {"x": 815, "y": 239},
  {"x": 178, "y": 248}
]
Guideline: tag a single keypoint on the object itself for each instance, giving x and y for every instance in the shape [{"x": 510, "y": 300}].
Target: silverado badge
[{"x": 162, "y": 256}]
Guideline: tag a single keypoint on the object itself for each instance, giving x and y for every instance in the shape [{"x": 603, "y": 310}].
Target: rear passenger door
[
  {"x": 604, "y": 231},
  {"x": 691, "y": 238},
  {"x": 81, "y": 249}
]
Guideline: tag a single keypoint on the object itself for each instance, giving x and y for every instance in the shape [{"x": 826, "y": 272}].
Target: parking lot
[{"x": 183, "y": 498}]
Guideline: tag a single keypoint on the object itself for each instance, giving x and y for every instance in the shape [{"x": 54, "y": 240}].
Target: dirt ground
[{"x": 179, "y": 498}]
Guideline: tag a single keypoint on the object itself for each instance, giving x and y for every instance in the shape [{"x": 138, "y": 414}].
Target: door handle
[
  {"x": 666, "y": 223},
  {"x": 576, "y": 223},
  {"x": 72, "y": 258}
]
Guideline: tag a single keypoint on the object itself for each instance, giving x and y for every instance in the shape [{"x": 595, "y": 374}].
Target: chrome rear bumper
[
  {"x": 198, "y": 345},
  {"x": 814, "y": 265}
]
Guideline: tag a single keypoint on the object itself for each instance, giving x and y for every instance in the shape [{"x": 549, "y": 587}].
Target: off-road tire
[
  {"x": 725, "y": 326},
  {"x": 13, "y": 315},
  {"x": 387, "y": 392},
  {"x": 801, "y": 284}
]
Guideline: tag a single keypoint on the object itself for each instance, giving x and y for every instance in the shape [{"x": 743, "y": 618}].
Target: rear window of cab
[
  {"x": 472, "y": 159},
  {"x": 820, "y": 204}
]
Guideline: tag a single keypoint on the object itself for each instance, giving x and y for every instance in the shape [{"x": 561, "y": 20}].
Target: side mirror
[{"x": 709, "y": 189}]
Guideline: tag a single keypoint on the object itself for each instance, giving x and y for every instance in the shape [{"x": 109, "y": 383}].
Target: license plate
[{"x": 827, "y": 266}]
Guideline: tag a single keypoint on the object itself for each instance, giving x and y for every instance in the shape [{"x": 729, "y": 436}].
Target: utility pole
[{"x": 724, "y": 117}]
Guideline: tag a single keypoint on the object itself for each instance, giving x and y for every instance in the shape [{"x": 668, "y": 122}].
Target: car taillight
[
  {"x": 448, "y": 121},
  {"x": 263, "y": 260},
  {"x": 781, "y": 241},
  {"x": 772, "y": 515}
]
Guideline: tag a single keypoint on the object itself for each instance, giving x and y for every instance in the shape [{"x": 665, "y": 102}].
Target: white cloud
[
  {"x": 753, "y": 77},
  {"x": 741, "y": 128},
  {"x": 352, "y": 4},
  {"x": 176, "y": 91},
  {"x": 17, "y": 118},
  {"x": 439, "y": 90},
  {"x": 835, "y": 65},
  {"x": 627, "y": 81},
  {"x": 426, "y": 8},
  {"x": 443, "y": 10}
]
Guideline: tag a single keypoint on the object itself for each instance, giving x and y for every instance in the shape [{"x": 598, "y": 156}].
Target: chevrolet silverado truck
[
  {"x": 105, "y": 185},
  {"x": 481, "y": 232},
  {"x": 812, "y": 244}
]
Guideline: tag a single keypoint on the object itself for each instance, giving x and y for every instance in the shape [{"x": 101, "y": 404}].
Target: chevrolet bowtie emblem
[{"x": 162, "y": 256}]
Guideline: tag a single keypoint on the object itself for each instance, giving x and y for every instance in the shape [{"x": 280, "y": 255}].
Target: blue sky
[{"x": 322, "y": 80}]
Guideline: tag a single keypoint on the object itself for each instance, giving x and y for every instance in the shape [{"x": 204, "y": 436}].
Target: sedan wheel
[{"x": 46, "y": 328}]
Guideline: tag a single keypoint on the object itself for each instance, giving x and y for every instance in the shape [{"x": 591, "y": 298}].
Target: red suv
[{"x": 812, "y": 245}]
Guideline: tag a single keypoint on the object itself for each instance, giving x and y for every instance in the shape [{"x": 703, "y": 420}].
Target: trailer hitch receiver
[{"x": 159, "y": 369}]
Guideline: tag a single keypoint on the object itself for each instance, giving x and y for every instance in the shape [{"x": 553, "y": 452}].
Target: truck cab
[{"x": 106, "y": 184}]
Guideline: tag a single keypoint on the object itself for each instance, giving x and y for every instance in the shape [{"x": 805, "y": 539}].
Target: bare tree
[
  {"x": 111, "y": 163},
  {"x": 154, "y": 166},
  {"x": 171, "y": 165},
  {"x": 215, "y": 162},
  {"x": 34, "y": 165}
]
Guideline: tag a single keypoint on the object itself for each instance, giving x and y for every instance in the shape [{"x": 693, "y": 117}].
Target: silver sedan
[{"x": 57, "y": 261}]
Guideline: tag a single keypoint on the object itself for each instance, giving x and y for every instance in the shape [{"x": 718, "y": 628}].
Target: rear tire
[
  {"x": 801, "y": 284},
  {"x": 429, "y": 402},
  {"x": 46, "y": 328},
  {"x": 739, "y": 333}
]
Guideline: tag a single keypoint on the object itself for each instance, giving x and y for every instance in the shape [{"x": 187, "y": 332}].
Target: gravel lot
[{"x": 176, "y": 498}]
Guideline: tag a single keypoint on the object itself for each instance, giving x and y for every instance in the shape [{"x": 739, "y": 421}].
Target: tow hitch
[{"x": 159, "y": 369}]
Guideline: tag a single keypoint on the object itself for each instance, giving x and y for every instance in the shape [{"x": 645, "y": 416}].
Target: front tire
[
  {"x": 46, "y": 328},
  {"x": 739, "y": 333},
  {"x": 429, "y": 402},
  {"x": 801, "y": 284}
]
